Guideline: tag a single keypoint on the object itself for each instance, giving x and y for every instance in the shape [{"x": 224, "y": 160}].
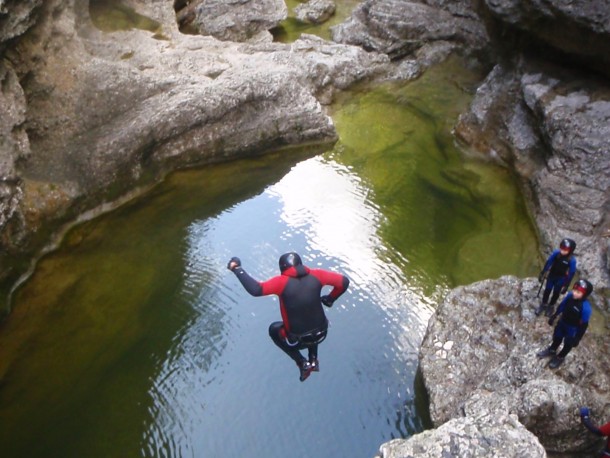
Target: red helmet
[
  {"x": 584, "y": 287},
  {"x": 568, "y": 244}
]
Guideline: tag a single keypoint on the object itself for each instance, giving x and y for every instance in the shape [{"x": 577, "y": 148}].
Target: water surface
[{"x": 134, "y": 340}]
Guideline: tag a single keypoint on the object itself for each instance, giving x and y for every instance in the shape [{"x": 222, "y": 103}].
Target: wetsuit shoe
[
  {"x": 315, "y": 365},
  {"x": 549, "y": 311},
  {"x": 540, "y": 309},
  {"x": 556, "y": 362},
  {"x": 546, "y": 352},
  {"x": 305, "y": 369}
]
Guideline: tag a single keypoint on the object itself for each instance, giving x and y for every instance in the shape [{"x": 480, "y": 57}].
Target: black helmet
[
  {"x": 288, "y": 260},
  {"x": 584, "y": 286},
  {"x": 568, "y": 244}
]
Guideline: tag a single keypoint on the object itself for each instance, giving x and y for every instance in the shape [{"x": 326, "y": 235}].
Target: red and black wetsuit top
[{"x": 299, "y": 289}]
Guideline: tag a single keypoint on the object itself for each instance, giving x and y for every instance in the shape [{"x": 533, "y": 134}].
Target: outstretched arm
[
  {"x": 250, "y": 284},
  {"x": 549, "y": 262},
  {"x": 586, "y": 420}
]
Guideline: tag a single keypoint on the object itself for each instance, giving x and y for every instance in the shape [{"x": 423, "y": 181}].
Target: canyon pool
[{"x": 132, "y": 339}]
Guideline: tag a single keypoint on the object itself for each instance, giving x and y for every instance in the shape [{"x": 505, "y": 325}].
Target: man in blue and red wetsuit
[
  {"x": 575, "y": 311},
  {"x": 602, "y": 431},
  {"x": 304, "y": 324},
  {"x": 561, "y": 267}
]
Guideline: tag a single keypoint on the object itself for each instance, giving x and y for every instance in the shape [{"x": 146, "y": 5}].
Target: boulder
[
  {"x": 400, "y": 27},
  {"x": 478, "y": 357},
  {"x": 478, "y": 436},
  {"x": 234, "y": 20},
  {"x": 315, "y": 11}
]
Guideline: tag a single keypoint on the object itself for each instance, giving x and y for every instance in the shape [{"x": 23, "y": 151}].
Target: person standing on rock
[
  {"x": 561, "y": 267},
  {"x": 575, "y": 312},
  {"x": 602, "y": 431},
  {"x": 304, "y": 324}
]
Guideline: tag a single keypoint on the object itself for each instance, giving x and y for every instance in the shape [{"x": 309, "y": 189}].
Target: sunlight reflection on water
[{"x": 319, "y": 209}]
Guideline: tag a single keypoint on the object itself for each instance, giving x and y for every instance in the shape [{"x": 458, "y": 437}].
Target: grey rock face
[
  {"x": 578, "y": 27},
  {"x": 238, "y": 20},
  {"x": 16, "y": 16},
  {"x": 400, "y": 27},
  {"x": 554, "y": 127},
  {"x": 108, "y": 112},
  {"x": 478, "y": 436},
  {"x": 478, "y": 358}
]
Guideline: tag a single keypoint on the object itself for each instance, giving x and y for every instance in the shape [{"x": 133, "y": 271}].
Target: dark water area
[
  {"x": 134, "y": 340},
  {"x": 291, "y": 29}
]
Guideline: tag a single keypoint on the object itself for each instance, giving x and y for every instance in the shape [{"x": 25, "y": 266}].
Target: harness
[{"x": 309, "y": 338}]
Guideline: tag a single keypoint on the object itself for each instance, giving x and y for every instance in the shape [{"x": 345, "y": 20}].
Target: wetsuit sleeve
[
  {"x": 250, "y": 284},
  {"x": 274, "y": 285},
  {"x": 549, "y": 261},
  {"x": 339, "y": 282},
  {"x": 594, "y": 429},
  {"x": 562, "y": 305}
]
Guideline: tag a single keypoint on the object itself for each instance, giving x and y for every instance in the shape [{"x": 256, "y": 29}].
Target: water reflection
[{"x": 225, "y": 367}]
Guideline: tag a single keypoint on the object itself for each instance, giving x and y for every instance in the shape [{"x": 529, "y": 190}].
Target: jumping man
[{"x": 304, "y": 324}]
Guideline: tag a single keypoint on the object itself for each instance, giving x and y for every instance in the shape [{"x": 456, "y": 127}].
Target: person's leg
[
  {"x": 313, "y": 357},
  {"x": 278, "y": 335},
  {"x": 556, "y": 291},
  {"x": 552, "y": 350},
  {"x": 568, "y": 344},
  {"x": 276, "y": 332},
  {"x": 548, "y": 287}
]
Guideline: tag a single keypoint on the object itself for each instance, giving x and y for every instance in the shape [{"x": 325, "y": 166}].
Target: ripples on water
[
  {"x": 224, "y": 368},
  {"x": 139, "y": 341}
]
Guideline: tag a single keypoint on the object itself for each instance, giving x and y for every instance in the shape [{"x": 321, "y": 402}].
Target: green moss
[{"x": 113, "y": 15}]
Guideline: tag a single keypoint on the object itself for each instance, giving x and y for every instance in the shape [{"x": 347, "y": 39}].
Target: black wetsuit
[{"x": 304, "y": 322}]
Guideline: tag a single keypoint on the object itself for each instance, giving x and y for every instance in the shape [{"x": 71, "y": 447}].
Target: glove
[
  {"x": 552, "y": 320},
  {"x": 584, "y": 411},
  {"x": 541, "y": 276},
  {"x": 235, "y": 260},
  {"x": 327, "y": 300},
  {"x": 564, "y": 289}
]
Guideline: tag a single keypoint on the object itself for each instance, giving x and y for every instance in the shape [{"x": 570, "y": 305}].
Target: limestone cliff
[{"x": 93, "y": 113}]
